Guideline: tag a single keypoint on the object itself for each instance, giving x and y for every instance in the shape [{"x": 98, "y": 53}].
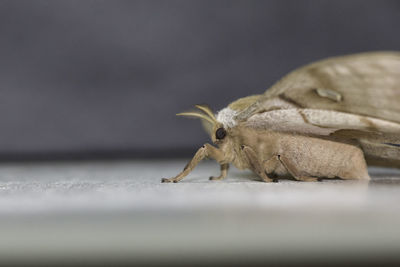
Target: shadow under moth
[{"x": 328, "y": 119}]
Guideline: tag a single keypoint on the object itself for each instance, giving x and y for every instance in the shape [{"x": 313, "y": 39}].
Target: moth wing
[
  {"x": 358, "y": 92},
  {"x": 366, "y": 84},
  {"x": 325, "y": 123},
  {"x": 354, "y": 97}
]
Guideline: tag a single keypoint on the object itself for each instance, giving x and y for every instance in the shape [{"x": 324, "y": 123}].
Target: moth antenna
[
  {"x": 206, "y": 109},
  {"x": 198, "y": 115}
]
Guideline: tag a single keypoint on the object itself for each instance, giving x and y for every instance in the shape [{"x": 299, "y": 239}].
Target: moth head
[{"x": 214, "y": 128}]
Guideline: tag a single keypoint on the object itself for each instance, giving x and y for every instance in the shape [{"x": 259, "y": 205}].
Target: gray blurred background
[{"x": 105, "y": 78}]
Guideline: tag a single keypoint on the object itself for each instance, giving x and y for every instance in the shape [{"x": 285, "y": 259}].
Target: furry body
[
  {"x": 300, "y": 156},
  {"x": 323, "y": 120}
]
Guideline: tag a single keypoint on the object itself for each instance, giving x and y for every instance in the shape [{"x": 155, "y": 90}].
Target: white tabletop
[{"x": 109, "y": 210}]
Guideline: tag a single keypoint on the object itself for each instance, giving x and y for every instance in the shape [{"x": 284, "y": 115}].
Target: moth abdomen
[{"x": 314, "y": 157}]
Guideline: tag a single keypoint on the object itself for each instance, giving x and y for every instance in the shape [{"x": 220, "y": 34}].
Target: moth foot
[
  {"x": 165, "y": 180},
  {"x": 275, "y": 180},
  {"x": 307, "y": 179},
  {"x": 218, "y": 178},
  {"x": 267, "y": 180}
]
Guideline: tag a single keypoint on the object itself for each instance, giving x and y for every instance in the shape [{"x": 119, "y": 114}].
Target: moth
[{"x": 327, "y": 119}]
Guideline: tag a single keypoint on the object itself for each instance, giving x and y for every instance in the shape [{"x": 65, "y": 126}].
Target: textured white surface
[{"x": 119, "y": 209}]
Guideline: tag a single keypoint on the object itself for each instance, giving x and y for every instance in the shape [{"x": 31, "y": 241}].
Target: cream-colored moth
[{"x": 328, "y": 119}]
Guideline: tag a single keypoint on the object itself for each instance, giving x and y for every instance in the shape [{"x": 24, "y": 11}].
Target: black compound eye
[{"x": 220, "y": 133}]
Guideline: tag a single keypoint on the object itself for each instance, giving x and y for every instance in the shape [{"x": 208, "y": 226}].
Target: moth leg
[
  {"x": 206, "y": 151},
  {"x": 270, "y": 165},
  {"x": 255, "y": 163},
  {"x": 291, "y": 168},
  {"x": 224, "y": 172}
]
